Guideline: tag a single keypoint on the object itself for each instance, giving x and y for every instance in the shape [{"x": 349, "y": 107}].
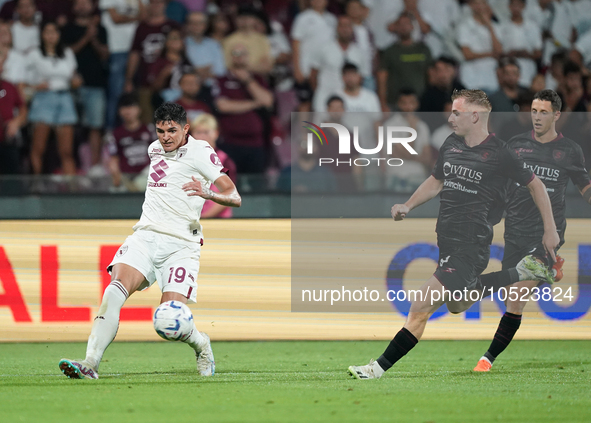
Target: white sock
[
  {"x": 377, "y": 369},
  {"x": 105, "y": 323},
  {"x": 196, "y": 341}
]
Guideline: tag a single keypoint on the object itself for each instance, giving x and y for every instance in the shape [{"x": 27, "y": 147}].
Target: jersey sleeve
[
  {"x": 437, "y": 172},
  {"x": 576, "y": 169},
  {"x": 514, "y": 167},
  {"x": 209, "y": 165}
]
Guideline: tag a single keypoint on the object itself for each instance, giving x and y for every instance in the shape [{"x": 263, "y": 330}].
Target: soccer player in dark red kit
[
  {"x": 554, "y": 159},
  {"x": 471, "y": 174}
]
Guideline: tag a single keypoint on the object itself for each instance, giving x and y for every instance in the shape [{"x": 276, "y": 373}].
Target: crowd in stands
[{"x": 80, "y": 79}]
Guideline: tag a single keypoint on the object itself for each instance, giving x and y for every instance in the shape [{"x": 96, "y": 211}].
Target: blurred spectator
[
  {"x": 219, "y": 26},
  {"x": 204, "y": 53},
  {"x": 522, "y": 39},
  {"x": 25, "y": 31},
  {"x": 402, "y": 65},
  {"x": 355, "y": 97},
  {"x": 326, "y": 73},
  {"x": 555, "y": 75},
  {"x": 478, "y": 36},
  {"x": 579, "y": 12},
  {"x": 442, "y": 82},
  {"x": 53, "y": 68},
  {"x": 128, "y": 146},
  {"x": 311, "y": 29},
  {"x": 165, "y": 73},
  {"x": 190, "y": 84},
  {"x": 305, "y": 175},
  {"x": 10, "y": 123},
  {"x": 581, "y": 52},
  {"x": 538, "y": 83},
  {"x": 416, "y": 167},
  {"x": 259, "y": 49},
  {"x": 88, "y": 40},
  {"x": 15, "y": 62},
  {"x": 281, "y": 74},
  {"x": 420, "y": 26},
  {"x": 120, "y": 18},
  {"x": 205, "y": 127},
  {"x": 557, "y": 29},
  {"x": 441, "y": 133},
  {"x": 147, "y": 46},
  {"x": 8, "y": 11},
  {"x": 505, "y": 99},
  {"x": 59, "y": 11},
  {"x": 572, "y": 91},
  {"x": 240, "y": 94},
  {"x": 519, "y": 122},
  {"x": 442, "y": 17},
  {"x": 176, "y": 11},
  {"x": 381, "y": 14},
  {"x": 357, "y": 12}
]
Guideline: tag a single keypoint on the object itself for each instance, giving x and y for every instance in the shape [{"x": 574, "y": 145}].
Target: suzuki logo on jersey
[
  {"x": 543, "y": 172},
  {"x": 385, "y": 136},
  {"x": 158, "y": 173},
  {"x": 461, "y": 171}
]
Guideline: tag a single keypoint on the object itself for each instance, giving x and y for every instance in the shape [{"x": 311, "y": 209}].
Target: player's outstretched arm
[
  {"x": 428, "y": 189},
  {"x": 228, "y": 195},
  {"x": 538, "y": 192}
]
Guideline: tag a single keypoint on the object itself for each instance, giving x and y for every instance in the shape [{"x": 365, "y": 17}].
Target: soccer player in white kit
[{"x": 166, "y": 242}]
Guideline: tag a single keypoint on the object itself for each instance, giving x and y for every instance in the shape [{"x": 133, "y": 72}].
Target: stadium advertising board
[{"x": 253, "y": 276}]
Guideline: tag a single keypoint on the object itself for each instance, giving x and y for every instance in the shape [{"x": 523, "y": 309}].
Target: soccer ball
[{"x": 173, "y": 321}]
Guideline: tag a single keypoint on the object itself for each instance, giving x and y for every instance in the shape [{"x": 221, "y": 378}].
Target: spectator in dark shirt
[
  {"x": 190, "y": 86},
  {"x": 165, "y": 73},
  {"x": 146, "y": 48},
  {"x": 128, "y": 147},
  {"x": 240, "y": 95},
  {"x": 88, "y": 40},
  {"x": 10, "y": 124},
  {"x": 505, "y": 99}
]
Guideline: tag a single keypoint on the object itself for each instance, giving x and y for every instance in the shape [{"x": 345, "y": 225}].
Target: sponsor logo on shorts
[
  {"x": 443, "y": 261},
  {"x": 122, "y": 251},
  {"x": 448, "y": 270},
  {"x": 191, "y": 277}
]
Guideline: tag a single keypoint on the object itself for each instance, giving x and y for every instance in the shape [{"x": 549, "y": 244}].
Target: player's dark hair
[
  {"x": 348, "y": 66},
  {"x": 59, "y": 48},
  {"x": 334, "y": 98},
  {"x": 477, "y": 97},
  {"x": 128, "y": 99},
  {"x": 552, "y": 97},
  {"x": 170, "y": 112}
]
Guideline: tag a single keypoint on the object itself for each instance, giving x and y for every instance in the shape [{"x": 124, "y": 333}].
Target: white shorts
[{"x": 171, "y": 261}]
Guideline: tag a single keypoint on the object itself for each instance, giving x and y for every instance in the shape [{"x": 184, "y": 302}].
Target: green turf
[{"x": 532, "y": 381}]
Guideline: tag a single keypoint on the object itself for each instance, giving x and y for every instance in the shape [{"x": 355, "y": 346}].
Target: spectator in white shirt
[
  {"x": 120, "y": 18},
  {"x": 442, "y": 16},
  {"x": 358, "y": 13},
  {"x": 355, "y": 97},
  {"x": 311, "y": 29},
  {"x": 327, "y": 66},
  {"x": 522, "y": 39},
  {"x": 381, "y": 14},
  {"x": 478, "y": 38},
  {"x": 416, "y": 167},
  {"x": 25, "y": 31},
  {"x": 15, "y": 63},
  {"x": 53, "y": 70}
]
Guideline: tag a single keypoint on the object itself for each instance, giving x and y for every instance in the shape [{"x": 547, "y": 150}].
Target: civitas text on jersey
[
  {"x": 461, "y": 172},
  {"x": 387, "y": 136},
  {"x": 542, "y": 171}
]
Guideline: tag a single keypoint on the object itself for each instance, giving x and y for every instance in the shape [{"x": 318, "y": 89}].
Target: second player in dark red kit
[{"x": 554, "y": 159}]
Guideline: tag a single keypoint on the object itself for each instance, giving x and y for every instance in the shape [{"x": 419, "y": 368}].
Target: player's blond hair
[
  {"x": 475, "y": 97},
  {"x": 205, "y": 119}
]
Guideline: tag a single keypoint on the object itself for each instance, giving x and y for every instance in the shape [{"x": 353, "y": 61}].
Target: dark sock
[
  {"x": 507, "y": 327},
  {"x": 497, "y": 280},
  {"x": 402, "y": 343}
]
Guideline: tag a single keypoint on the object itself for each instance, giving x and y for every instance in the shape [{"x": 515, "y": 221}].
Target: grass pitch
[{"x": 533, "y": 381}]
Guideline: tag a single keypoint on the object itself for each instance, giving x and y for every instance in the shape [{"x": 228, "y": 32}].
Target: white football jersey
[{"x": 167, "y": 208}]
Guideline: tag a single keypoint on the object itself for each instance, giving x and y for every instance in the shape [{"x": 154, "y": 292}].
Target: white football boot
[
  {"x": 205, "y": 360},
  {"x": 77, "y": 369},
  {"x": 369, "y": 371}
]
